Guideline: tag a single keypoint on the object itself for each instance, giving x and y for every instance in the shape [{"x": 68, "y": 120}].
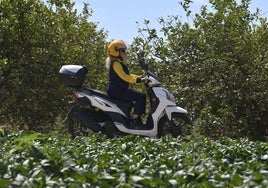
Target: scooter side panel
[
  {"x": 150, "y": 133},
  {"x": 105, "y": 105},
  {"x": 170, "y": 109}
]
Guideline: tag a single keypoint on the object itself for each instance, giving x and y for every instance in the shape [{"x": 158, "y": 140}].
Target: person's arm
[{"x": 132, "y": 78}]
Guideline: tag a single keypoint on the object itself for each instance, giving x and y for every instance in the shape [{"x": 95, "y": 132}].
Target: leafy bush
[
  {"x": 36, "y": 39},
  {"x": 38, "y": 160},
  {"x": 216, "y": 66}
]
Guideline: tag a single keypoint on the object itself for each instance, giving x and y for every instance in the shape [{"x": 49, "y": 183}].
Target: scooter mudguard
[{"x": 171, "y": 109}]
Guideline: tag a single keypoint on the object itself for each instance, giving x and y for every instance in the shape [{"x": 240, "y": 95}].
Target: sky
[{"x": 119, "y": 17}]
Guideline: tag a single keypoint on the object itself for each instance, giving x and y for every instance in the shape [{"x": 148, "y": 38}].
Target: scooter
[{"x": 95, "y": 111}]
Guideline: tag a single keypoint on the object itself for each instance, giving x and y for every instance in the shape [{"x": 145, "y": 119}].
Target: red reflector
[{"x": 75, "y": 94}]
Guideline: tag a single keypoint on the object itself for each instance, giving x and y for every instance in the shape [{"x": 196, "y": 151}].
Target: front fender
[{"x": 170, "y": 109}]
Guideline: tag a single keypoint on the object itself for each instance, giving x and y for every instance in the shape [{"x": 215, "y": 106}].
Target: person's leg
[
  {"x": 140, "y": 104},
  {"x": 134, "y": 96},
  {"x": 139, "y": 107}
]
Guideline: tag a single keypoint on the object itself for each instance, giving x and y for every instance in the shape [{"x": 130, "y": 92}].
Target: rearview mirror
[{"x": 143, "y": 65}]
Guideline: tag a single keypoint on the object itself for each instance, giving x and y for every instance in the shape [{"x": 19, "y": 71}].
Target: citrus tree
[
  {"x": 216, "y": 66},
  {"x": 36, "y": 39}
]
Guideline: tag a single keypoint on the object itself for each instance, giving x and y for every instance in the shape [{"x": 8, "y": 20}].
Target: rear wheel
[
  {"x": 180, "y": 125},
  {"x": 78, "y": 123},
  {"x": 75, "y": 128}
]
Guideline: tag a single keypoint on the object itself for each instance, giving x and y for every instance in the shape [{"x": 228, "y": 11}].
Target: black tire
[
  {"x": 180, "y": 125},
  {"x": 75, "y": 128}
]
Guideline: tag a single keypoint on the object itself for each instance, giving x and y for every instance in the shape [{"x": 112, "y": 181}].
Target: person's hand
[{"x": 144, "y": 80}]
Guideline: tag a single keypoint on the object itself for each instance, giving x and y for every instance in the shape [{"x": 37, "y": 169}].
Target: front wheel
[{"x": 180, "y": 125}]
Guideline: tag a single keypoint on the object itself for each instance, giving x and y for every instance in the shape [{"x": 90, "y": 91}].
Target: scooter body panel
[
  {"x": 171, "y": 109},
  {"x": 103, "y": 104}
]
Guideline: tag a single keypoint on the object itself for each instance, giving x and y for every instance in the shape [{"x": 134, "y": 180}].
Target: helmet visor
[{"x": 123, "y": 50}]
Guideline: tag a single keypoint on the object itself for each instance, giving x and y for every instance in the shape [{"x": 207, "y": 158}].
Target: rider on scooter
[{"x": 119, "y": 79}]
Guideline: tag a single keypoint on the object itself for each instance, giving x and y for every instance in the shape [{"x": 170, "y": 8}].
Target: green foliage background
[
  {"x": 216, "y": 66},
  {"x": 37, "y": 38}
]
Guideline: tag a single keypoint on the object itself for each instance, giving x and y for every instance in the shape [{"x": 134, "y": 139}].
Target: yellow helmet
[{"x": 115, "y": 46}]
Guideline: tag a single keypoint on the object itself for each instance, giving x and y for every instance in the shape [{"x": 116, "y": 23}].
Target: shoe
[{"x": 136, "y": 123}]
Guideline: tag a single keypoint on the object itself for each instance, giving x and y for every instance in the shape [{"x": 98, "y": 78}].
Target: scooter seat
[{"x": 120, "y": 104}]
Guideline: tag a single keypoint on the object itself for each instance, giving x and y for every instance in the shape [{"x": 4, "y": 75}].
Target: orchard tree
[
  {"x": 36, "y": 39},
  {"x": 216, "y": 66}
]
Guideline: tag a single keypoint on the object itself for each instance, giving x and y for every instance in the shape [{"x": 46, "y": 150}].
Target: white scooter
[{"x": 95, "y": 111}]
